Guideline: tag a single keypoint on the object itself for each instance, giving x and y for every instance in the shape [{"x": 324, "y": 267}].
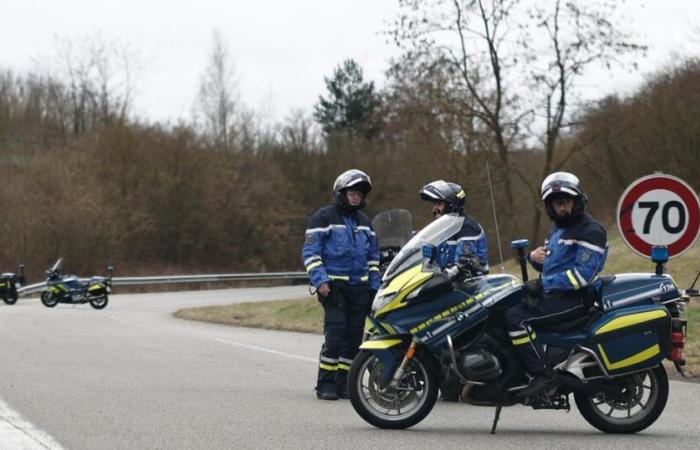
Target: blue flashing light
[
  {"x": 659, "y": 254},
  {"x": 520, "y": 243},
  {"x": 429, "y": 252}
]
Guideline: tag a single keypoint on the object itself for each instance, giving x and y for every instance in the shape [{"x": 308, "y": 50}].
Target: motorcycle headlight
[{"x": 381, "y": 301}]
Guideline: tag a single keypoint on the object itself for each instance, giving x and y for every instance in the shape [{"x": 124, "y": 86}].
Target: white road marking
[
  {"x": 261, "y": 349},
  {"x": 18, "y": 433},
  {"x": 148, "y": 327},
  {"x": 226, "y": 341}
]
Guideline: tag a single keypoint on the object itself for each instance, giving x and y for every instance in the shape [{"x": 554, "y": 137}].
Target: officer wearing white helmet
[
  {"x": 341, "y": 255},
  {"x": 572, "y": 257}
]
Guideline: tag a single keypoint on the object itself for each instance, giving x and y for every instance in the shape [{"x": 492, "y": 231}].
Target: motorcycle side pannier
[{"x": 631, "y": 339}]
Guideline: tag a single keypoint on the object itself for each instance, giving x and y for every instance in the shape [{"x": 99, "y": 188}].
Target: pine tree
[{"x": 350, "y": 104}]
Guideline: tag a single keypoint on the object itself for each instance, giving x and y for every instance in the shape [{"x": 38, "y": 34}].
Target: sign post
[{"x": 656, "y": 210}]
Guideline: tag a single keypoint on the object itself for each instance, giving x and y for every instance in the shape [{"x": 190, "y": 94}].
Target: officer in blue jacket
[
  {"x": 448, "y": 198},
  {"x": 570, "y": 261},
  {"x": 341, "y": 255},
  {"x": 469, "y": 242}
]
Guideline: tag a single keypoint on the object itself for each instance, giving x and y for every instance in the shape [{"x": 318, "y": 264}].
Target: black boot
[
  {"x": 539, "y": 384},
  {"x": 326, "y": 391}
]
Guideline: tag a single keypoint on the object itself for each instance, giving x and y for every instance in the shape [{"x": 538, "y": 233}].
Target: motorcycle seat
[{"x": 571, "y": 325}]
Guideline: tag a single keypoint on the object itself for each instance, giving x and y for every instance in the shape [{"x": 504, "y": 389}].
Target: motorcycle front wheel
[
  {"x": 640, "y": 401},
  {"x": 48, "y": 299},
  {"x": 99, "y": 302},
  {"x": 396, "y": 407}
]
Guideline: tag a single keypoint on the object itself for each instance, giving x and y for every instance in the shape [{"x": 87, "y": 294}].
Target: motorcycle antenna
[{"x": 495, "y": 218}]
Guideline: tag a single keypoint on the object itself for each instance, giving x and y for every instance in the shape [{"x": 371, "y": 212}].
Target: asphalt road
[{"x": 132, "y": 376}]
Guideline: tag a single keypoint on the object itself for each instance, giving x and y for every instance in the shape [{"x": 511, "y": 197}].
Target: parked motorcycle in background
[
  {"x": 65, "y": 288},
  {"x": 9, "y": 283}
]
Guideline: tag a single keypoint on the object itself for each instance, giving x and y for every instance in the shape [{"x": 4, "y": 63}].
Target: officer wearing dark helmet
[
  {"x": 341, "y": 255},
  {"x": 573, "y": 255},
  {"x": 467, "y": 247},
  {"x": 448, "y": 198}
]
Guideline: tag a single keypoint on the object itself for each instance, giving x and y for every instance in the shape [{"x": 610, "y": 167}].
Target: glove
[{"x": 471, "y": 265}]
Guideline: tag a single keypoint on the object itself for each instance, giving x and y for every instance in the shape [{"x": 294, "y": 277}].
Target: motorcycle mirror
[{"x": 110, "y": 269}]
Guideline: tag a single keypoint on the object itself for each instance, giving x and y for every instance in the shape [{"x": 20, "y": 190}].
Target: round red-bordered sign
[{"x": 659, "y": 209}]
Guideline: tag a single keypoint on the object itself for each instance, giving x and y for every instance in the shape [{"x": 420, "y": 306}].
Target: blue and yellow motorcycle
[
  {"x": 427, "y": 324},
  {"x": 64, "y": 288},
  {"x": 9, "y": 284}
]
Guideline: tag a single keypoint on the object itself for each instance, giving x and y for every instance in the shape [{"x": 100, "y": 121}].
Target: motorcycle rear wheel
[
  {"x": 394, "y": 408},
  {"x": 48, "y": 299},
  {"x": 642, "y": 399},
  {"x": 11, "y": 299},
  {"x": 100, "y": 302}
]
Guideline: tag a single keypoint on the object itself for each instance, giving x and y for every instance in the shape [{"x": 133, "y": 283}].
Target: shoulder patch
[
  {"x": 585, "y": 256},
  {"x": 310, "y": 238}
]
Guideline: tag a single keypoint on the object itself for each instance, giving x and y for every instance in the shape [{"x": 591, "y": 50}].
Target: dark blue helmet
[{"x": 451, "y": 193}]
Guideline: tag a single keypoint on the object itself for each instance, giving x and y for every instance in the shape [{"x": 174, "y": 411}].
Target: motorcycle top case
[
  {"x": 633, "y": 289},
  {"x": 633, "y": 338}
]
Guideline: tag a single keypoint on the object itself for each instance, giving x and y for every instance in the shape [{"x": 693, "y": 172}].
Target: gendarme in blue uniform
[
  {"x": 575, "y": 256},
  {"x": 340, "y": 250}
]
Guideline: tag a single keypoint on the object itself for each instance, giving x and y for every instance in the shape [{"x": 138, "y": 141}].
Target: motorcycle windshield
[
  {"x": 435, "y": 234},
  {"x": 393, "y": 228}
]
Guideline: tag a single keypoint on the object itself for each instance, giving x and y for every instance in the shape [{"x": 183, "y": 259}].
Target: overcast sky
[{"x": 282, "y": 49}]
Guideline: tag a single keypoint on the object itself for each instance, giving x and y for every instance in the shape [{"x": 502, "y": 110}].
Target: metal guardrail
[{"x": 173, "y": 279}]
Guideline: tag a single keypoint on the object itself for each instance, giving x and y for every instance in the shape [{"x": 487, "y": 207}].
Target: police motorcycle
[
  {"x": 9, "y": 284},
  {"x": 427, "y": 323},
  {"x": 65, "y": 288},
  {"x": 394, "y": 229}
]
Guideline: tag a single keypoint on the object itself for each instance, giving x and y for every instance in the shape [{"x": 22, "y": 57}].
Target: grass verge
[{"x": 304, "y": 315}]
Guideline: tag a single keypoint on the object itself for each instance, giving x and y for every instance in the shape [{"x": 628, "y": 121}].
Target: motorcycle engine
[{"x": 479, "y": 365}]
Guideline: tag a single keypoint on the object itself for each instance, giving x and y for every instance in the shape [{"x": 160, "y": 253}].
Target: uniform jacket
[
  {"x": 470, "y": 239},
  {"x": 575, "y": 255},
  {"x": 341, "y": 246}
]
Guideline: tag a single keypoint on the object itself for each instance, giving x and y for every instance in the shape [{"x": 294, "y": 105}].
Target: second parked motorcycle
[
  {"x": 9, "y": 283},
  {"x": 64, "y": 288}
]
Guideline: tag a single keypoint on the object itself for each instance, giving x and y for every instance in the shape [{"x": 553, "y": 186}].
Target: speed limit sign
[{"x": 659, "y": 210}]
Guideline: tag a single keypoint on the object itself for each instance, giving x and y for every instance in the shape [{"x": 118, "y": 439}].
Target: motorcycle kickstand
[{"x": 499, "y": 406}]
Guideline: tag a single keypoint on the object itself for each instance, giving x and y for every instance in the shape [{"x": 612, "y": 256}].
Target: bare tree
[
  {"x": 218, "y": 95},
  {"x": 514, "y": 66},
  {"x": 97, "y": 79}
]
